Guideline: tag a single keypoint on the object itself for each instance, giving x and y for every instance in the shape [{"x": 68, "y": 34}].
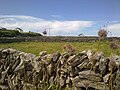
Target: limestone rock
[
  {"x": 4, "y": 87},
  {"x": 118, "y": 63},
  {"x": 99, "y": 55},
  {"x": 24, "y": 70},
  {"x": 103, "y": 66},
  {"x": 42, "y": 53},
  {"x": 85, "y": 65},
  {"x": 92, "y": 85},
  {"x": 55, "y": 57},
  {"x": 90, "y": 75},
  {"x": 106, "y": 78},
  {"x": 117, "y": 81},
  {"x": 75, "y": 60}
]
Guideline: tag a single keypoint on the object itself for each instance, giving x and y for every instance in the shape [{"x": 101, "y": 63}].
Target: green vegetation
[
  {"x": 25, "y": 34},
  {"x": 15, "y": 33},
  {"x": 9, "y": 33},
  {"x": 52, "y": 47}
]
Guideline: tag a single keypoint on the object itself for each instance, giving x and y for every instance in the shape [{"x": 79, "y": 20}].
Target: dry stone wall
[
  {"x": 53, "y": 39},
  {"x": 80, "y": 71}
]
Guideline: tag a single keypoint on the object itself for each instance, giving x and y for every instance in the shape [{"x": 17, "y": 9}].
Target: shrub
[{"x": 9, "y": 33}]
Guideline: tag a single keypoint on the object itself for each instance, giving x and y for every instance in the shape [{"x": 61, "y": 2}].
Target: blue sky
[{"x": 64, "y": 17}]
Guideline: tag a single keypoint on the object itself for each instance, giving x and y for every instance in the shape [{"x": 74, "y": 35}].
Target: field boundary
[{"x": 53, "y": 39}]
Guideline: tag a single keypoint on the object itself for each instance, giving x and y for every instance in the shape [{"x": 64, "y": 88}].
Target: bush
[
  {"x": 15, "y": 33},
  {"x": 9, "y": 33}
]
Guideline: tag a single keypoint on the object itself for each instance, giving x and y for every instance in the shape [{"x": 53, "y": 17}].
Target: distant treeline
[{"x": 16, "y": 33}]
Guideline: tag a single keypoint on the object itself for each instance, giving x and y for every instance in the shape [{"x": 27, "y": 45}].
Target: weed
[{"x": 69, "y": 48}]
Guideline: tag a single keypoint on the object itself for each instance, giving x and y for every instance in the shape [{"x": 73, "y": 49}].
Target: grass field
[{"x": 52, "y": 47}]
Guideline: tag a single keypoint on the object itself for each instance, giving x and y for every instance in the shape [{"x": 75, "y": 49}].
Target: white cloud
[
  {"x": 58, "y": 27},
  {"x": 56, "y": 16},
  {"x": 114, "y": 29},
  {"x": 28, "y": 23},
  {"x": 70, "y": 27}
]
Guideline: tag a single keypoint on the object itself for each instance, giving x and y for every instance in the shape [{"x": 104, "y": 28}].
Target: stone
[
  {"x": 5, "y": 53},
  {"x": 112, "y": 65},
  {"x": 117, "y": 81},
  {"x": 62, "y": 80},
  {"x": 51, "y": 80},
  {"x": 90, "y": 75},
  {"x": 4, "y": 87},
  {"x": 1, "y": 49},
  {"x": 76, "y": 79},
  {"x": 84, "y": 52},
  {"x": 69, "y": 81},
  {"x": 37, "y": 64},
  {"x": 1, "y": 54},
  {"x": 63, "y": 58},
  {"x": 66, "y": 70},
  {"x": 43, "y": 53},
  {"x": 106, "y": 78},
  {"x": 118, "y": 63},
  {"x": 11, "y": 50},
  {"x": 65, "y": 55},
  {"x": 99, "y": 55},
  {"x": 3, "y": 75},
  {"x": 89, "y": 53},
  {"x": 103, "y": 66},
  {"x": 71, "y": 58},
  {"x": 50, "y": 69},
  {"x": 55, "y": 57},
  {"x": 92, "y": 85},
  {"x": 116, "y": 57},
  {"x": 16, "y": 63},
  {"x": 63, "y": 77},
  {"x": 29, "y": 57},
  {"x": 19, "y": 66},
  {"x": 28, "y": 66},
  {"x": 96, "y": 67},
  {"x": 85, "y": 65},
  {"x": 75, "y": 60},
  {"x": 49, "y": 58}
]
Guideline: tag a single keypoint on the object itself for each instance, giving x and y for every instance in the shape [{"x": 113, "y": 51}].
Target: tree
[{"x": 44, "y": 32}]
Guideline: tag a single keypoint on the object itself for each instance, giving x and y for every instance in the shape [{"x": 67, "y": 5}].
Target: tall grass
[{"x": 51, "y": 47}]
